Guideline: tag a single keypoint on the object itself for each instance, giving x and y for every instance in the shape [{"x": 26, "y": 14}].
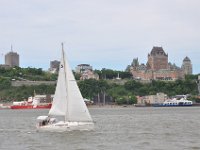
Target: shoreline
[
  {"x": 6, "y": 105},
  {"x": 110, "y": 106}
]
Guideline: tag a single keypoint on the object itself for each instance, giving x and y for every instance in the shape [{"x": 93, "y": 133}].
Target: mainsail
[{"x": 68, "y": 101}]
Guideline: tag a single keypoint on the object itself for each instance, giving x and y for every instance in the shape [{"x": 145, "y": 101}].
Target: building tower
[
  {"x": 157, "y": 59},
  {"x": 135, "y": 62},
  {"x": 82, "y": 67},
  {"x": 187, "y": 66},
  {"x": 54, "y": 66},
  {"x": 12, "y": 59}
]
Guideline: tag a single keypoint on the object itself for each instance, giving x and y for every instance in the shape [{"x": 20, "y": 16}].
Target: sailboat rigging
[{"x": 68, "y": 103}]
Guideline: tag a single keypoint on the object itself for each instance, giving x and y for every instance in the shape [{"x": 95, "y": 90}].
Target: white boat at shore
[
  {"x": 68, "y": 104},
  {"x": 174, "y": 102}
]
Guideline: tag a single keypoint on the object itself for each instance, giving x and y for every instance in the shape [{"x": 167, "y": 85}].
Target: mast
[{"x": 66, "y": 83}]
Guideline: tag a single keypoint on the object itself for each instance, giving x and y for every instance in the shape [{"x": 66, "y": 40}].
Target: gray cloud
[{"x": 104, "y": 33}]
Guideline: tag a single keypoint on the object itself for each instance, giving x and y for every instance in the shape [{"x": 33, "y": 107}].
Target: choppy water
[{"x": 115, "y": 129}]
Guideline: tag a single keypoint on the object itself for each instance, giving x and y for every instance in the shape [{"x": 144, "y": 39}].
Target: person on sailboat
[{"x": 43, "y": 120}]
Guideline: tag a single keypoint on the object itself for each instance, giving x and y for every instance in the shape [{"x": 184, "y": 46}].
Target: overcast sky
[{"x": 102, "y": 33}]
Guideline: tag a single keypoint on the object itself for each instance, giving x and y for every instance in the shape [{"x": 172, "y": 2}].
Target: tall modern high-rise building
[
  {"x": 12, "y": 59},
  {"x": 187, "y": 65}
]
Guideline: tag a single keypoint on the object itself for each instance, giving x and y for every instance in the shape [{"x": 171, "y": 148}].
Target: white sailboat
[{"x": 68, "y": 104}]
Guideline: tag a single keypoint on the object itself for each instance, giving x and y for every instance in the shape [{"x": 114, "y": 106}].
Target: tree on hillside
[
  {"x": 112, "y": 74},
  {"x": 4, "y": 83},
  {"x": 91, "y": 87}
]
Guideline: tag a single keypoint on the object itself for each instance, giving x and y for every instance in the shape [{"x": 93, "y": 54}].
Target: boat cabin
[
  {"x": 175, "y": 102},
  {"x": 44, "y": 120}
]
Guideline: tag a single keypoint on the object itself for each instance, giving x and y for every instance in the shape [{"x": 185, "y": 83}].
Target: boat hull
[
  {"x": 47, "y": 106},
  {"x": 163, "y": 105},
  {"x": 67, "y": 126}
]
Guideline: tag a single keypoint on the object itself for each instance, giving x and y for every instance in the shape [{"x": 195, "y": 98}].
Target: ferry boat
[
  {"x": 30, "y": 106},
  {"x": 174, "y": 103},
  {"x": 32, "y": 103}
]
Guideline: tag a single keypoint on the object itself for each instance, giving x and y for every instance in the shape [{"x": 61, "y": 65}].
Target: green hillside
[{"x": 121, "y": 91}]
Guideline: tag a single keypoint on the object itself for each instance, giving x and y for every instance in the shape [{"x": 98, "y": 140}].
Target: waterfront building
[
  {"x": 152, "y": 99},
  {"x": 12, "y": 59},
  {"x": 187, "y": 66}
]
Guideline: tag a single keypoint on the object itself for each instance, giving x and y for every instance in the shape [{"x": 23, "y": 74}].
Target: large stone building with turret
[{"x": 158, "y": 67}]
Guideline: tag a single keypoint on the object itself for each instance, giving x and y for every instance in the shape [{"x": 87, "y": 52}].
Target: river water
[{"x": 119, "y": 128}]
